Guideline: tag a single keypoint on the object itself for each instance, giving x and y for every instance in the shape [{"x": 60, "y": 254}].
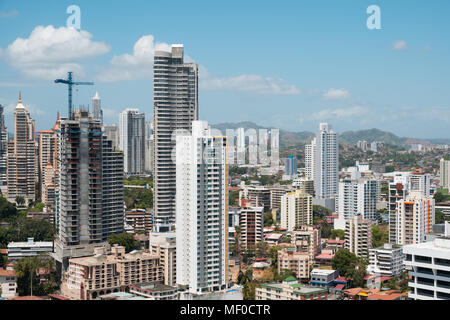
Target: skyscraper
[
  {"x": 21, "y": 158},
  {"x": 444, "y": 174},
  {"x": 112, "y": 133},
  {"x": 91, "y": 188},
  {"x": 48, "y": 145},
  {"x": 3, "y": 149},
  {"x": 296, "y": 210},
  {"x": 97, "y": 108},
  {"x": 175, "y": 95},
  {"x": 290, "y": 169},
  {"x": 201, "y": 210},
  {"x": 132, "y": 140}
]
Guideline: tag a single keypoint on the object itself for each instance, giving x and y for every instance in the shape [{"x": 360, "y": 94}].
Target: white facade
[
  {"x": 201, "y": 210},
  {"x": 429, "y": 265},
  {"x": 386, "y": 260},
  {"x": 414, "y": 218},
  {"x": 132, "y": 140},
  {"x": 444, "y": 173},
  {"x": 30, "y": 248},
  {"x": 296, "y": 210},
  {"x": 358, "y": 236},
  {"x": 309, "y": 159}
]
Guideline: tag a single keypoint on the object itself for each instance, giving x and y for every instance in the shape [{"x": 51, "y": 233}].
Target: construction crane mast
[{"x": 70, "y": 83}]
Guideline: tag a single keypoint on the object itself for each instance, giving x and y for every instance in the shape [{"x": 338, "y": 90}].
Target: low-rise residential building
[
  {"x": 298, "y": 262},
  {"x": 252, "y": 224},
  {"x": 323, "y": 277},
  {"x": 89, "y": 277},
  {"x": 141, "y": 220},
  {"x": 30, "y": 248},
  {"x": 429, "y": 267},
  {"x": 155, "y": 291},
  {"x": 45, "y": 215},
  {"x": 8, "y": 283},
  {"x": 386, "y": 260},
  {"x": 290, "y": 289}
]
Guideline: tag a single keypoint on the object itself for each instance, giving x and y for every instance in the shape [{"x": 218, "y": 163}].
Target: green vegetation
[
  {"x": 137, "y": 181},
  {"x": 232, "y": 197},
  {"x": 440, "y": 196},
  {"x": 27, "y": 268},
  {"x": 337, "y": 233},
  {"x": 38, "y": 207},
  {"x": 268, "y": 219},
  {"x": 138, "y": 198},
  {"x": 235, "y": 170},
  {"x": 124, "y": 239},
  {"x": 440, "y": 217},
  {"x": 350, "y": 266},
  {"x": 379, "y": 237}
]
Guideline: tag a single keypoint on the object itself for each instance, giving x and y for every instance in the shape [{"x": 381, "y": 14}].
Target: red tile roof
[
  {"x": 340, "y": 286},
  {"x": 7, "y": 273},
  {"x": 27, "y": 298},
  {"x": 58, "y": 297}
]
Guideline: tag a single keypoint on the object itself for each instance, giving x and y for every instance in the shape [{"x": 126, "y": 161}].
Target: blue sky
[{"x": 287, "y": 64}]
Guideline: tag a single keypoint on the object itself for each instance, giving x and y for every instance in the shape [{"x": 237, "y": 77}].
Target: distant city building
[
  {"x": 97, "y": 108},
  {"x": 386, "y": 260},
  {"x": 296, "y": 210},
  {"x": 444, "y": 174},
  {"x": 258, "y": 196},
  {"x": 175, "y": 105},
  {"x": 112, "y": 133},
  {"x": 252, "y": 224},
  {"x": 374, "y": 146},
  {"x": 149, "y": 148},
  {"x": 358, "y": 236},
  {"x": 21, "y": 157},
  {"x": 132, "y": 140},
  {"x": 414, "y": 218},
  {"x": 45, "y": 215},
  {"x": 141, "y": 220},
  {"x": 201, "y": 210},
  {"x": 163, "y": 245},
  {"x": 3, "y": 147},
  {"x": 304, "y": 184},
  {"x": 290, "y": 169},
  {"x": 306, "y": 239},
  {"x": 275, "y": 195},
  {"x": 428, "y": 264},
  {"x": 362, "y": 145},
  {"x": 92, "y": 276}
]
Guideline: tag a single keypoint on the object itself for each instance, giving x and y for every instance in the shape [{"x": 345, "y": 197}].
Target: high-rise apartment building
[
  {"x": 358, "y": 236},
  {"x": 419, "y": 180},
  {"x": 398, "y": 190},
  {"x": 175, "y": 97},
  {"x": 91, "y": 205},
  {"x": 357, "y": 197},
  {"x": 48, "y": 145},
  {"x": 414, "y": 218},
  {"x": 290, "y": 169},
  {"x": 306, "y": 239},
  {"x": 444, "y": 173},
  {"x": 163, "y": 245},
  {"x": 112, "y": 133},
  {"x": 3, "y": 148},
  {"x": 97, "y": 108},
  {"x": 309, "y": 160},
  {"x": 149, "y": 147},
  {"x": 132, "y": 140},
  {"x": 251, "y": 222},
  {"x": 21, "y": 157},
  {"x": 201, "y": 210},
  {"x": 296, "y": 210}
]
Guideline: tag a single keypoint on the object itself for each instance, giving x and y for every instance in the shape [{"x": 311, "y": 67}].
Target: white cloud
[
  {"x": 139, "y": 65},
  {"x": 342, "y": 113},
  {"x": 400, "y": 45},
  {"x": 50, "y": 52},
  {"x": 336, "y": 94},
  {"x": 250, "y": 82}
]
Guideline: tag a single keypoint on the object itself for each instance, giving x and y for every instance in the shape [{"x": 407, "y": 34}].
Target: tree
[
  {"x": 233, "y": 196},
  {"x": 343, "y": 260},
  {"x": 337, "y": 233},
  {"x": 319, "y": 213},
  {"x": 26, "y": 270},
  {"x": 20, "y": 200},
  {"x": 7, "y": 210},
  {"x": 268, "y": 219},
  {"x": 124, "y": 239},
  {"x": 325, "y": 230}
]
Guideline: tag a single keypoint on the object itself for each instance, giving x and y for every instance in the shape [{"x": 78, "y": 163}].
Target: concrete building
[
  {"x": 296, "y": 210},
  {"x": 201, "y": 210},
  {"x": 306, "y": 239},
  {"x": 275, "y": 195},
  {"x": 30, "y": 248},
  {"x": 414, "y": 218},
  {"x": 358, "y": 236},
  {"x": 175, "y": 105},
  {"x": 112, "y": 133},
  {"x": 21, "y": 158},
  {"x": 421, "y": 181},
  {"x": 357, "y": 197},
  {"x": 8, "y": 283},
  {"x": 89, "y": 277},
  {"x": 97, "y": 111},
  {"x": 290, "y": 169},
  {"x": 163, "y": 245},
  {"x": 251, "y": 221},
  {"x": 325, "y": 162},
  {"x": 258, "y": 196},
  {"x": 3, "y": 146},
  {"x": 304, "y": 184},
  {"x": 298, "y": 262},
  {"x": 309, "y": 160},
  {"x": 386, "y": 260},
  {"x": 91, "y": 205},
  {"x": 398, "y": 190},
  {"x": 323, "y": 278},
  {"x": 132, "y": 140},
  {"x": 444, "y": 174},
  {"x": 155, "y": 291},
  {"x": 429, "y": 266},
  {"x": 44, "y": 215},
  {"x": 289, "y": 289},
  {"x": 149, "y": 148},
  {"x": 48, "y": 144},
  {"x": 141, "y": 220}
]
